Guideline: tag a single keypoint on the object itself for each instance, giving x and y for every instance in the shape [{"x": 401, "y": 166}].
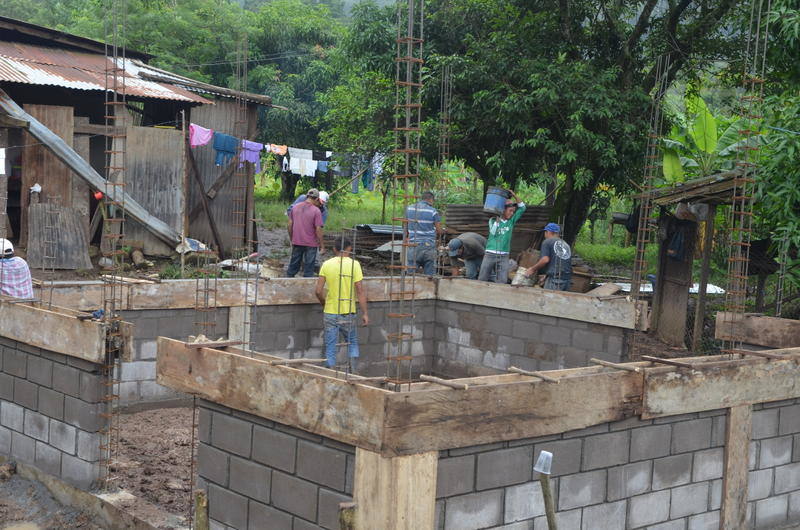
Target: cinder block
[
  {"x": 23, "y": 448},
  {"x": 12, "y": 416},
  {"x": 263, "y": 516},
  {"x": 302, "y": 524},
  {"x": 499, "y": 325},
  {"x": 66, "y": 379},
  {"x": 227, "y": 507},
  {"x": 62, "y": 436},
  {"x": 675, "y": 419},
  {"x": 83, "y": 365},
  {"x": 231, "y": 434},
  {"x": 566, "y": 455},
  {"x": 789, "y": 420},
  {"x": 559, "y": 335},
  {"x": 15, "y": 363},
  {"x": 26, "y": 394},
  {"x": 715, "y": 499},
  {"x": 648, "y": 509},
  {"x": 204, "y": 425},
  {"x": 796, "y": 449},
  {"x": 759, "y": 484},
  {"x": 605, "y": 450},
  {"x": 455, "y": 475},
  {"x": 524, "y": 501},
  {"x": 718, "y": 424},
  {"x": 689, "y": 500},
  {"x": 504, "y": 467},
  {"x": 129, "y": 392},
  {"x": 329, "y": 508},
  {"x": 587, "y": 340},
  {"x": 794, "y": 506},
  {"x": 321, "y": 464},
  {"x": 6, "y": 387},
  {"x": 527, "y": 331},
  {"x": 765, "y": 423},
  {"x": 672, "y": 471},
  {"x": 650, "y": 442},
  {"x": 294, "y": 495},
  {"x": 510, "y": 345},
  {"x": 627, "y": 481},
  {"x": 588, "y": 431},
  {"x": 500, "y": 361},
  {"x": 775, "y": 452},
  {"x": 5, "y": 441},
  {"x": 608, "y": 515},
  {"x": 691, "y": 435},
  {"x": 250, "y": 479},
  {"x": 704, "y": 521},
  {"x": 614, "y": 345},
  {"x": 349, "y": 474},
  {"x": 78, "y": 472},
  {"x": 582, "y": 489},
  {"x": 83, "y": 415},
  {"x": 752, "y": 454},
  {"x": 628, "y": 424},
  {"x": 48, "y": 459},
  {"x": 152, "y": 391},
  {"x": 88, "y": 447},
  {"x": 51, "y": 403},
  {"x": 40, "y": 371},
  {"x": 570, "y": 519},
  {"x": 36, "y": 425},
  {"x": 92, "y": 387},
  {"x": 787, "y": 478},
  {"x": 772, "y": 512},
  {"x": 677, "y": 524},
  {"x": 212, "y": 464},
  {"x": 147, "y": 350},
  {"x": 476, "y": 510},
  {"x": 708, "y": 464},
  {"x": 138, "y": 371}
]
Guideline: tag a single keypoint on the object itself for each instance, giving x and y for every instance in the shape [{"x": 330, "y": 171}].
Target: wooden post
[
  {"x": 734, "y": 479},
  {"x": 397, "y": 493},
  {"x": 549, "y": 505},
  {"x": 200, "y": 510},
  {"x": 700, "y": 308}
]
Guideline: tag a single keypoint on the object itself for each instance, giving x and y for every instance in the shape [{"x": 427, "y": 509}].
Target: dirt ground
[
  {"x": 27, "y": 505},
  {"x": 155, "y": 457}
]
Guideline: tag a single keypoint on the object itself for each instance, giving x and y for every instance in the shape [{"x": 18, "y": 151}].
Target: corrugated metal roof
[{"x": 41, "y": 65}]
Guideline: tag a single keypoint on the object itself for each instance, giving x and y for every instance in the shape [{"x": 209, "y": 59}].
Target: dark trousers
[{"x": 305, "y": 255}]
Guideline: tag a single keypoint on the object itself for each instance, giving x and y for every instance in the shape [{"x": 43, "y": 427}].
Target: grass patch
[{"x": 345, "y": 210}]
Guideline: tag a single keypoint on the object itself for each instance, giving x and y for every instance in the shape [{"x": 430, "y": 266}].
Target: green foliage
[{"x": 601, "y": 254}]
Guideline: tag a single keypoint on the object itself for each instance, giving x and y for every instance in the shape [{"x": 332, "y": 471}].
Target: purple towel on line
[{"x": 251, "y": 152}]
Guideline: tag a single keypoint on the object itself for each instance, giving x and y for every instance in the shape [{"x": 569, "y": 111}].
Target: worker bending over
[
  {"x": 556, "y": 260},
  {"x": 495, "y": 262},
  {"x": 15, "y": 276},
  {"x": 470, "y": 247}
]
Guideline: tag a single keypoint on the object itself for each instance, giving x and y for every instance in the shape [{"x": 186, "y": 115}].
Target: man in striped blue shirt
[{"x": 424, "y": 223}]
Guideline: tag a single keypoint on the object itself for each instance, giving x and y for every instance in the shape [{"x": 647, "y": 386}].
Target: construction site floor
[{"x": 27, "y": 505}]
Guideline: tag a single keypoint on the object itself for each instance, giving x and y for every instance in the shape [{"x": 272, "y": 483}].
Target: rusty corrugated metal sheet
[{"x": 41, "y": 65}]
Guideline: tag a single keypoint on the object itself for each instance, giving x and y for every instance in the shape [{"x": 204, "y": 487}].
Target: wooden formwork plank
[
  {"x": 315, "y": 403},
  {"x": 738, "y": 429},
  {"x": 772, "y": 332}
]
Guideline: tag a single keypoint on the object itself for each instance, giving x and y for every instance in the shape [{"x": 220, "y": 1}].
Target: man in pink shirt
[
  {"x": 15, "y": 276},
  {"x": 305, "y": 230}
]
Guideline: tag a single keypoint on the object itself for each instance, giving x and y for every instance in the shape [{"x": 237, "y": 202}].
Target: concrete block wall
[
  {"x": 259, "y": 474},
  {"x": 658, "y": 474},
  {"x": 476, "y": 340},
  {"x": 50, "y": 407}
]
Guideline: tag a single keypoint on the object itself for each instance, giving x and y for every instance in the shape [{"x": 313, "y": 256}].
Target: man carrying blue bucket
[
  {"x": 556, "y": 260},
  {"x": 495, "y": 260}
]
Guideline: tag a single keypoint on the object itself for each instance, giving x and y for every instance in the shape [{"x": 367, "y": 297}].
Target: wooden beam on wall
[
  {"x": 766, "y": 331},
  {"x": 738, "y": 430}
]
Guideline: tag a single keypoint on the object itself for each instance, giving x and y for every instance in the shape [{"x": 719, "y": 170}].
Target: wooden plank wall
[
  {"x": 154, "y": 178},
  {"x": 672, "y": 286}
]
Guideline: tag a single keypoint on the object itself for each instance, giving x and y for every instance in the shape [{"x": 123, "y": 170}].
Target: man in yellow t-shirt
[{"x": 343, "y": 276}]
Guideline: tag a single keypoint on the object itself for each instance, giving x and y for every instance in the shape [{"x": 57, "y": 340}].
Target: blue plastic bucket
[{"x": 495, "y": 200}]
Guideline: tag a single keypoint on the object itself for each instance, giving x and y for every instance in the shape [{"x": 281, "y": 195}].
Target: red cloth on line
[{"x": 199, "y": 135}]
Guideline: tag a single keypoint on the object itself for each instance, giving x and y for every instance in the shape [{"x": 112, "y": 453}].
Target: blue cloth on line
[
  {"x": 322, "y": 166},
  {"x": 225, "y": 146}
]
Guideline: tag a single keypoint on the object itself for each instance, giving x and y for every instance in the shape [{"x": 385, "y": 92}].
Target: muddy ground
[{"x": 28, "y": 505}]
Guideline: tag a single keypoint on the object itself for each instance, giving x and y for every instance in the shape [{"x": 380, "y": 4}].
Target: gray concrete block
[
  {"x": 689, "y": 500},
  {"x": 789, "y": 420},
  {"x": 510, "y": 345},
  {"x": 147, "y": 350},
  {"x": 48, "y": 459},
  {"x": 556, "y": 335},
  {"x": 765, "y": 423},
  {"x": 615, "y": 345},
  {"x": 794, "y": 506},
  {"x": 704, "y": 521},
  {"x": 604, "y": 450},
  {"x": 302, "y": 524},
  {"x": 328, "y": 516},
  {"x": 51, "y": 403},
  {"x": 36, "y": 425},
  {"x": 504, "y": 467},
  {"x": 204, "y": 425},
  {"x": 582, "y": 489},
  {"x": 718, "y": 424},
  {"x": 26, "y": 394},
  {"x": 708, "y": 464},
  {"x": 15, "y": 363},
  {"x": 40, "y": 371},
  {"x": 524, "y": 501},
  {"x": 627, "y": 481},
  {"x": 691, "y": 435},
  {"x": 78, "y": 472},
  {"x": 12, "y": 416},
  {"x": 629, "y": 423},
  {"x": 759, "y": 484},
  {"x": 227, "y": 507},
  {"x": 212, "y": 464},
  {"x": 608, "y": 515},
  {"x": 6, "y": 387},
  {"x": 231, "y": 434},
  {"x": 83, "y": 415},
  {"x": 715, "y": 498},
  {"x": 772, "y": 512},
  {"x": 570, "y": 519},
  {"x": 752, "y": 454},
  {"x": 475, "y": 510},
  {"x": 672, "y": 471},
  {"x": 82, "y": 365},
  {"x": 566, "y": 455},
  {"x": 250, "y": 479},
  {"x": 775, "y": 451},
  {"x": 23, "y": 448},
  {"x": 66, "y": 379},
  {"x": 274, "y": 448},
  {"x": 92, "y": 387},
  {"x": 262, "y": 516},
  {"x": 298, "y": 433},
  {"x": 787, "y": 478},
  {"x": 62, "y": 436},
  {"x": 88, "y": 447},
  {"x": 677, "y": 524},
  {"x": 5, "y": 441},
  {"x": 320, "y": 464},
  {"x": 587, "y": 340},
  {"x": 294, "y": 495},
  {"x": 594, "y": 429},
  {"x": 129, "y": 392},
  {"x": 675, "y": 419},
  {"x": 647, "y": 509},
  {"x": 152, "y": 391},
  {"x": 796, "y": 449},
  {"x": 650, "y": 442},
  {"x": 455, "y": 475},
  {"x": 349, "y": 474},
  {"x": 526, "y": 330},
  {"x": 138, "y": 371}
]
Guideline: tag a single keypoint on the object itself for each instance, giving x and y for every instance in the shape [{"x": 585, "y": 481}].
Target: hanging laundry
[
  {"x": 368, "y": 179},
  {"x": 319, "y": 156},
  {"x": 294, "y": 165},
  {"x": 354, "y": 187},
  {"x": 251, "y": 152},
  {"x": 278, "y": 149},
  {"x": 199, "y": 135},
  {"x": 285, "y": 164},
  {"x": 307, "y": 167},
  {"x": 328, "y": 154},
  {"x": 306, "y": 154},
  {"x": 226, "y": 147},
  {"x": 322, "y": 166}
]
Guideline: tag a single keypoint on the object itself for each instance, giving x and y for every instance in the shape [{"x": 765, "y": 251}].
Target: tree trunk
[
  {"x": 289, "y": 186},
  {"x": 572, "y": 207}
]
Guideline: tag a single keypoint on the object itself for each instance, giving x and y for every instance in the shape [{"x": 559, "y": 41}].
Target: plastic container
[{"x": 495, "y": 201}]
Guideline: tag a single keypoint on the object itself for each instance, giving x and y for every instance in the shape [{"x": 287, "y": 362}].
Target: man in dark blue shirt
[{"x": 556, "y": 260}]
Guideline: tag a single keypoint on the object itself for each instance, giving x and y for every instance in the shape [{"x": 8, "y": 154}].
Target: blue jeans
[
  {"x": 346, "y": 328},
  {"x": 561, "y": 284},
  {"x": 494, "y": 268},
  {"x": 305, "y": 255},
  {"x": 473, "y": 267},
  {"x": 423, "y": 255}
]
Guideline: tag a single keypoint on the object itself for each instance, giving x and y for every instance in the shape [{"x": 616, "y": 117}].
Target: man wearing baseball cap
[
  {"x": 470, "y": 247},
  {"x": 305, "y": 231},
  {"x": 556, "y": 260}
]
